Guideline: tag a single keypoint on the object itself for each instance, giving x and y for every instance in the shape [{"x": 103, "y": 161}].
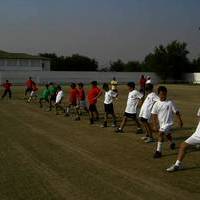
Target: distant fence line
[{"x": 19, "y": 78}]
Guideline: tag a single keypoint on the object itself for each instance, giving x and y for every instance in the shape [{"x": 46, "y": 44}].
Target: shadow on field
[{"x": 189, "y": 129}]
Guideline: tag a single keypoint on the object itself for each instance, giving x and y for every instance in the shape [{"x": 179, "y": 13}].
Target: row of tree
[
  {"x": 71, "y": 63},
  {"x": 170, "y": 61}
]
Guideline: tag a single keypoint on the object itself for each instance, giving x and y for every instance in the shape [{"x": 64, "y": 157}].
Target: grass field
[{"x": 44, "y": 156}]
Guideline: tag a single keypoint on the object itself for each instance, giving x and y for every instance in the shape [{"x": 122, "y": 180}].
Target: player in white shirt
[
  {"x": 193, "y": 140},
  {"x": 148, "y": 80},
  {"x": 59, "y": 98},
  {"x": 162, "y": 113},
  {"x": 145, "y": 112},
  {"x": 108, "y": 104},
  {"x": 134, "y": 98},
  {"x": 114, "y": 85}
]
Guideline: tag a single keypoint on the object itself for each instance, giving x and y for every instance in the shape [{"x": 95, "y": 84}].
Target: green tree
[
  {"x": 117, "y": 66},
  {"x": 170, "y": 61}
]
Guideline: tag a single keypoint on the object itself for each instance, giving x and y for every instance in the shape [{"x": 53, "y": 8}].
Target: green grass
[{"x": 44, "y": 156}]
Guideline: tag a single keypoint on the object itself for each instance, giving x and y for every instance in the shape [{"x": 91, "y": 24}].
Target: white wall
[
  {"x": 24, "y": 65},
  {"x": 85, "y": 77},
  {"x": 68, "y": 77}
]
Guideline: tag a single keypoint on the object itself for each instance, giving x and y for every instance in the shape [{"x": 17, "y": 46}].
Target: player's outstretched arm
[{"x": 180, "y": 121}]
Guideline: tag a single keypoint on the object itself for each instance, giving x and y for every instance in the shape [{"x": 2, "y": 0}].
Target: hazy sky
[{"x": 103, "y": 29}]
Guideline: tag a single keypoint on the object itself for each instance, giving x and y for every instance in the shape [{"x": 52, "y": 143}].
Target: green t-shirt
[
  {"x": 45, "y": 94},
  {"x": 52, "y": 90}
]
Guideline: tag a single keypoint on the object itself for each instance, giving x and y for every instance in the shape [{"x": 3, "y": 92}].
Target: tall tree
[{"x": 170, "y": 61}]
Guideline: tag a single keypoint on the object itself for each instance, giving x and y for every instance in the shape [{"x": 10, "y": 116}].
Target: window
[
  {"x": 2, "y": 62},
  {"x": 11, "y": 62},
  {"x": 35, "y": 63},
  {"x": 24, "y": 63}
]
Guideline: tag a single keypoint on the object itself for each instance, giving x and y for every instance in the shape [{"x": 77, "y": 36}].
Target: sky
[{"x": 102, "y": 29}]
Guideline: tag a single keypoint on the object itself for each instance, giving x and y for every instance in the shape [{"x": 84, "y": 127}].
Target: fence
[{"x": 19, "y": 78}]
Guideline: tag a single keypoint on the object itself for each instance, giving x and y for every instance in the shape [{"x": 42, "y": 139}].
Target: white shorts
[
  {"x": 166, "y": 129},
  {"x": 33, "y": 94},
  {"x": 195, "y": 137},
  {"x": 145, "y": 115},
  {"x": 83, "y": 104},
  {"x": 193, "y": 140}
]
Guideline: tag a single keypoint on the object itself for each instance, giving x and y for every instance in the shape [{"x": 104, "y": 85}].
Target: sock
[
  {"x": 178, "y": 163},
  {"x": 159, "y": 147},
  {"x": 67, "y": 110},
  {"x": 169, "y": 137}
]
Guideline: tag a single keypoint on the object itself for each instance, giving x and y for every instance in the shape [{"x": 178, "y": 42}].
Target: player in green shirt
[
  {"x": 45, "y": 95},
  {"x": 53, "y": 91}
]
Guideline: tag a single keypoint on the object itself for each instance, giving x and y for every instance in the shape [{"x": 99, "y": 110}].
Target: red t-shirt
[
  {"x": 29, "y": 83},
  {"x": 7, "y": 86},
  {"x": 142, "y": 82},
  {"x": 34, "y": 87},
  {"x": 92, "y": 95},
  {"x": 81, "y": 94},
  {"x": 73, "y": 96}
]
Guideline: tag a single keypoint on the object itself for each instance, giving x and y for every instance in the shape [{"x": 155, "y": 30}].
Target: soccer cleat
[
  {"x": 149, "y": 140},
  {"x": 113, "y": 125},
  {"x": 172, "y": 146},
  {"x": 118, "y": 130},
  {"x": 144, "y": 138},
  {"x": 77, "y": 119},
  {"x": 174, "y": 168},
  {"x": 104, "y": 125},
  {"x": 139, "y": 131},
  {"x": 91, "y": 121},
  {"x": 157, "y": 154}
]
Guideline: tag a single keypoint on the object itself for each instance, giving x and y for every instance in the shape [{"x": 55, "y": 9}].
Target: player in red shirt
[
  {"x": 29, "y": 85},
  {"x": 33, "y": 93},
  {"x": 7, "y": 89},
  {"x": 93, "y": 95},
  {"x": 82, "y": 97},
  {"x": 74, "y": 101},
  {"x": 142, "y": 84}
]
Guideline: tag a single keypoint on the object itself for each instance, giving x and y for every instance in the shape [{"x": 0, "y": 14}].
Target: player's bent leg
[{"x": 158, "y": 153}]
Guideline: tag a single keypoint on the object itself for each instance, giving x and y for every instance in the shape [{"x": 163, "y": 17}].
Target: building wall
[{"x": 24, "y": 65}]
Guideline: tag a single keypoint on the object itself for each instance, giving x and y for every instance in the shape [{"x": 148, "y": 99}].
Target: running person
[
  {"x": 193, "y": 140},
  {"x": 82, "y": 97},
  {"x": 59, "y": 99},
  {"x": 44, "y": 96},
  {"x": 29, "y": 84},
  {"x": 108, "y": 105},
  {"x": 93, "y": 95},
  {"x": 145, "y": 112},
  {"x": 134, "y": 99},
  {"x": 33, "y": 93},
  {"x": 162, "y": 112},
  {"x": 7, "y": 89},
  {"x": 74, "y": 101}
]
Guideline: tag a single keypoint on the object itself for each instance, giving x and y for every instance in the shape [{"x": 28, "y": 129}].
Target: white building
[{"x": 23, "y": 62}]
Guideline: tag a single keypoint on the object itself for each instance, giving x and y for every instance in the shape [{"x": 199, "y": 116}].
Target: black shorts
[
  {"x": 129, "y": 115},
  {"x": 92, "y": 108},
  {"x": 142, "y": 119},
  {"x": 53, "y": 97},
  {"x": 109, "y": 109},
  {"x": 28, "y": 89}
]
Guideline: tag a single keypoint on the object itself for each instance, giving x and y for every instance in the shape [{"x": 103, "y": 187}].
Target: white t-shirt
[
  {"x": 194, "y": 139},
  {"x": 148, "y": 81},
  {"x": 59, "y": 96},
  {"x": 109, "y": 95},
  {"x": 114, "y": 84},
  {"x": 132, "y": 102},
  {"x": 147, "y": 106},
  {"x": 165, "y": 111}
]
